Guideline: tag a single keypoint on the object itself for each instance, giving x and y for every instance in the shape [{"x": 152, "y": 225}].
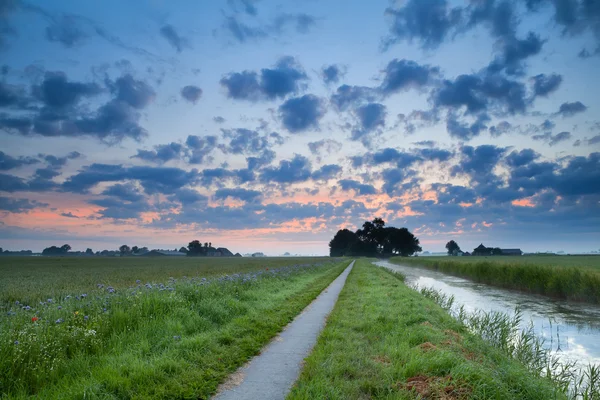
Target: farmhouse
[{"x": 481, "y": 250}]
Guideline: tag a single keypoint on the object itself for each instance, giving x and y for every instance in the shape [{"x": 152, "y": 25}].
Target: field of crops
[
  {"x": 144, "y": 328},
  {"x": 566, "y": 277}
]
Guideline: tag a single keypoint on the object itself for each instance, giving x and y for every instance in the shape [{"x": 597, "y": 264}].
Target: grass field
[
  {"x": 169, "y": 338},
  {"x": 33, "y": 279},
  {"x": 386, "y": 341},
  {"x": 574, "y": 278}
]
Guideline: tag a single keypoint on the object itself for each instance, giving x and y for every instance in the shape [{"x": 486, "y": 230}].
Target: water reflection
[{"x": 570, "y": 330}]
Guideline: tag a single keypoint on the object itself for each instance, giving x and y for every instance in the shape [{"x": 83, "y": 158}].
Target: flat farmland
[{"x": 33, "y": 279}]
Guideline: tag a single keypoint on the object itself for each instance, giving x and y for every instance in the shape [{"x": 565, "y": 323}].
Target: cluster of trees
[
  {"x": 18, "y": 252},
  {"x": 374, "y": 239},
  {"x": 126, "y": 250},
  {"x": 54, "y": 250},
  {"x": 454, "y": 249}
]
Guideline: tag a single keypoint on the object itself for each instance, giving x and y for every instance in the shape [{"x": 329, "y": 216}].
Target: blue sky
[{"x": 267, "y": 126}]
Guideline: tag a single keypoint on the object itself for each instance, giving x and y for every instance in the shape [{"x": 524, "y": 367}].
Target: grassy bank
[
  {"x": 32, "y": 279},
  {"x": 176, "y": 339},
  {"x": 552, "y": 276},
  {"x": 384, "y": 340}
]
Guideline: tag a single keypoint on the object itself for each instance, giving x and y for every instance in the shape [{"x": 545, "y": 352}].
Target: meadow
[
  {"x": 33, "y": 279},
  {"x": 386, "y": 341},
  {"x": 146, "y": 331},
  {"x": 575, "y": 278}
]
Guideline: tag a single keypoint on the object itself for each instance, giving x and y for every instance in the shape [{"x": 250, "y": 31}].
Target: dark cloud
[
  {"x": 401, "y": 75},
  {"x": 427, "y": 21},
  {"x": 243, "y": 32},
  {"x": 284, "y": 79},
  {"x": 67, "y": 31},
  {"x": 280, "y": 24},
  {"x": 125, "y": 192},
  {"x": 544, "y": 84},
  {"x": 200, "y": 148},
  {"x": 433, "y": 154},
  {"x": 114, "y": 208},
  {"x": 479, "y": 162},
  {"x": 295, "y": 170},
  {"x": 8, "y": 162},
  {"x": 352, "y": 96},
  {"x": 299, "y": 114},
  {"x": 324, "y": 147},
  {"x": 11, "y": 183},
  {"x": 426, "y": 143},
  {"x": 327, "y": 172},
  {"x": 569, "y": 109},
  {"x": 174, "y": 39},
  {"x": 187, "y": 196},
  {"x": 514, "y": 52},
  {"x": 332, "y": 73},
  {"x": 68, "y": 215},
  {"x": 191, "y": 93},
  {"x": 301, "y": 22},
  {"x": 393, "y": 179},
  {"x": 465, "y": 131},
  {"x": 594, "y": 140},
  {"x": 247, "y": 6},
  {"x": 238, "y": 193},
  {"x": 46, "y": 173},
  {"x": 138, "y": 94},
  {"x": 360, "y": 188},
  {"x": 391, "y": 155},
  {"x": 482, "y": 92},
  {"x": 153, "y": 179},
  {"x": 57, "y": 92},
  {"x": 551, "y": 139},
  {"x": 219, "y": 119},
  {"x": 264, "y": 158},
  {"x": 370, "y": 117},
  {"x": 19, "y": 205},
  {"x": 522, "y": 157},
  {"x": 162, "y": 153},
  {"x": 247, "y": 141}
]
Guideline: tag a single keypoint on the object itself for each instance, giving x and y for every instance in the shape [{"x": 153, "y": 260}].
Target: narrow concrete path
[{"x": 270, "y": 375}]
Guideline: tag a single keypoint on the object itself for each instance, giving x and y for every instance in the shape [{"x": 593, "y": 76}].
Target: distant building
[
  {"x": 481, "y": 250},
  {"x": 512, "y": 252}
]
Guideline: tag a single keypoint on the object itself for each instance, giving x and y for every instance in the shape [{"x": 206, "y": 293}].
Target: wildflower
[
  {"x": 100, "y": 286},
  {"x": 33, "y": 319},
  {"x": 104, "y": 309},
  {"x": 110, "y": 289},
  {"x": 16, "y": 342},
  {"x": 138, "y": 281},
  {"x": 86, "y": 317},
  {"x": 17, "y": 302},
  {"x": 68, "y": 297},
  {"x": 59, "y": 307},
  {"x": 27, "y": 308},
  {"x": 177, "y": 337},
  {"x": 49, "y": 300},
  {"x": 76, "y": 312},
  {"x": 59, "y": 321},
  {"x": 83, "y": 295}
]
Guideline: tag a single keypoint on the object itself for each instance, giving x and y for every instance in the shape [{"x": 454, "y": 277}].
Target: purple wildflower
[
  {"x": 59, "y": 307},
  {"x": 86, "y": 317},
  {"x": 138, "y": 281},
  {"x": 16, "y": 342},
  {"x": 59, "y": 321},
  {"x": 17, "y": 302}
]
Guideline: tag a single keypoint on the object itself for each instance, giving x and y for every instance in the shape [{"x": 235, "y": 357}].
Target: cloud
[
  {"x": 401, "y": 75},
  {"x": 125, "y": 192},
  {"x": 352, "y": 96},
  {"x": 187, "y": 196},
  {"x": 479, "y": 162},
  {"x": 57, "y": 92},
  {"x": 370, "y": 117},
  {"x": 544, "y": 84},
  {"x": 324, "y": 147},
  {"x": 200, "y": 148},
  {"x": 8, "y": 162},
  {"x": 247, "y": 141},
  {"x": 68, "y": 215},
  {"x": 138, "y": 94},
  {"x": 427, "y": 21},
  {"x": 299, "y": 114},
  {"x": 284, "y": 79},
  {"x": 162, "y": 153},
  {"x": 67, "y": 31},
  {"x": 243, "y": 32},
  {"x": 14, "y": 205},
  {"x": 327, "y": 172},
  {"x": 514, "y": 52},
  {"x": 191, "y": 93},
  {"x": 298, "y": 169},
  {"x": 169, "y": 33},
  {"x": 219, "y": 119},
  {"x": 464, "y": 131},
  {"x": 153, "y": 179},
  {"x": 551, "y": 139},
  {"x": 570, "y": 109},
  {"x": 247, "y": 6},
  {"x": 522, "y": 157},
  {"x": 237, "y": 193},
  {"x": 360, "y": 188},
  {"x": 332, "y": 73}
]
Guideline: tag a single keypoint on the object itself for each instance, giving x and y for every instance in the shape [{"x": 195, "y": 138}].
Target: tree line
[{"x": 374, "y": 239}]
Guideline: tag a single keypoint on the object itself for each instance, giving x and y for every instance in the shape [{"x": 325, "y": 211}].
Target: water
[{"x": 570, "y": 330}]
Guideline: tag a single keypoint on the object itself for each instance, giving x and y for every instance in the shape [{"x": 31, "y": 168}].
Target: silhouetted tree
[
  {"x": 195, "y": 248},
  {"x": 452, "y": 246},
  {"x": 183, "y": 250},
  {"x": 342, "y": 243},
  {"x": 53, "y": 250},
  {"x": 496, "y": 251},
  {"x": 402, "y": 241},
  {"x": 124, "y": 249},
  {"x": 135, "y": 249},
  {"x": 89, "y": 251}
]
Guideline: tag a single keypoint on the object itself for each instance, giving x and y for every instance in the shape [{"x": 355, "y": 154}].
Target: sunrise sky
[{"x": 268, "y": 125}]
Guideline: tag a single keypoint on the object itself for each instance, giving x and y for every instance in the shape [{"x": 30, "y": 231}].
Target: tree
[
  {"x": 124, "y": 249},
  {"x": 342, "y": 242},
  {"x": 452, "y": 247},
  {"x": 195, "y": 248},
  {"x": 496, "y": 251},
  {"x": 183, "y": 250},
  {"x": 402, "y": 241},
  {"x": 89, "y": 251},
  {"x": 65, "y": 248},
  {"x": 53, "y": 250},
  {"x": 135, "y": 249}
]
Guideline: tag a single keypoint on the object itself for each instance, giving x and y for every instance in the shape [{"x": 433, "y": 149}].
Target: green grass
[
  {"x": 386, "y": 341},
  {"x": 574, "y": 278},
  {"x": 31, "y": 279},
  {"x": 175, "y": 341}
]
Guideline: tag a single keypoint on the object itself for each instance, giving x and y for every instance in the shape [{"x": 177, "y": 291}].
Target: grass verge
[
  {"x": 172, "y": 340},
  {"x": 386, "y": 341},
  {"x": 568, "y": 283}
]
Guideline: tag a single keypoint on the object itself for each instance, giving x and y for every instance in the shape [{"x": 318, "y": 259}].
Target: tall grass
[
  {"x": 503, "y": 332},
  {"x": 175, "y": 339},
  {"x": 569, "y": 283}
]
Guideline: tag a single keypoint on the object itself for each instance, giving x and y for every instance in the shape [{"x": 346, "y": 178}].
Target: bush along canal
[{"x": 553, "y": 334}]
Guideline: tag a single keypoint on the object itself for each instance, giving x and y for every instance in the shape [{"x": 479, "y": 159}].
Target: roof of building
[
  {"x": 511, "y": 250},
  {"x": 481, "y": 247}
]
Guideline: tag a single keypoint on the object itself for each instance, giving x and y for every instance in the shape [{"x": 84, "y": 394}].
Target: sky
[{"x": 267, "y": 126}]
